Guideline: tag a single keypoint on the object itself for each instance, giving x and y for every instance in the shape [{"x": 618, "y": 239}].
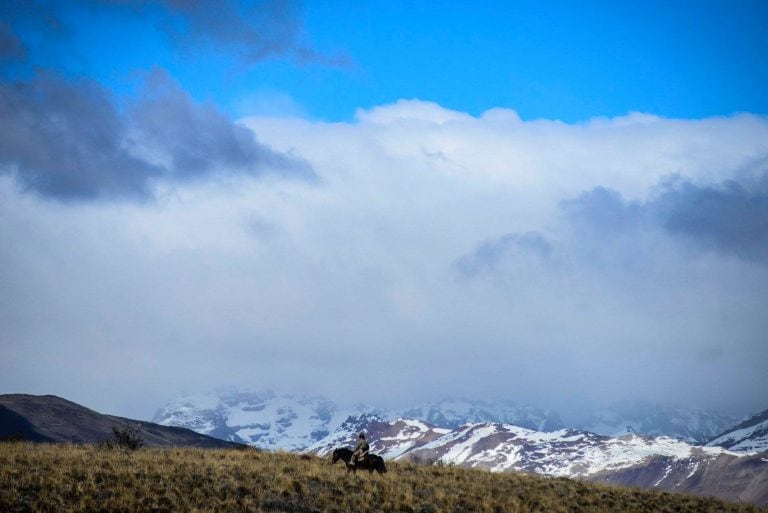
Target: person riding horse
[{"x": 361, "y": 450}]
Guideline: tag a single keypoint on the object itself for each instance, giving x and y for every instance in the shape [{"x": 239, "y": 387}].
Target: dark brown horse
[{"x": 370, "y": 463}]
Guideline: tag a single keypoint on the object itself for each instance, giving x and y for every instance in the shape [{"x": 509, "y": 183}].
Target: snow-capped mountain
[
  {"x": 270, "y": 421},
  {"x": 568, "y": 452},
  {"x": 455, "y": 413},
  {"x": 389, "y": 439},
  {"x": 693, "y": 426},
  {"x": 261, "y": 419},
  {"x": 750, "y": 435},
  {"x": 633, "y": 460},
  {"x": 446, "y": 432}
]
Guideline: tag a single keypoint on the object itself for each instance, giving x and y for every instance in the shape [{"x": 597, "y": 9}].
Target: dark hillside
[{"x": 48, "y": 418}]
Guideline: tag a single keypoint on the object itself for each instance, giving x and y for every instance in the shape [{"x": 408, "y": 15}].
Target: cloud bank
[
  {"x": 66, "y": 139},
  {"x": 438, "y": 254}
]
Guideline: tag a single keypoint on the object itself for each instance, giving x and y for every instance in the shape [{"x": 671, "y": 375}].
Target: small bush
[{"x": 127, "y": 439}]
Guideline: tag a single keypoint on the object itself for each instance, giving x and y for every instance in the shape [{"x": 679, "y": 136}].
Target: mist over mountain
[
  {"x": 692, "y": 425},
  {"x": 294, "y": 422}
]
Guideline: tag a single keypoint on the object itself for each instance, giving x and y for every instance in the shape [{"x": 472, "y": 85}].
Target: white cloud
[{"x": 350, "y": 286}]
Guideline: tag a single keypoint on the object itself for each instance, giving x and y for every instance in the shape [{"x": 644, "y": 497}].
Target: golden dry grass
[{"x": 81, "y": 478}]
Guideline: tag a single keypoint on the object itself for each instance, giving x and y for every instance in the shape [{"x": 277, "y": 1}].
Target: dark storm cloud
[
  {"x": 11, "y": 46},
  {"x": 730, "y": 217},
  {"x": 199, "y": 138},
  {"x": 66, "y": 139},
  {"x": 490, "y": 253}
]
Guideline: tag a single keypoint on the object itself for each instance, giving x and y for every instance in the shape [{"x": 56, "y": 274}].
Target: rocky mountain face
[
  {"x": 750, "y": 435},
  {"x": 48, "y": 418},
  {"x": 738, "y": 478}
]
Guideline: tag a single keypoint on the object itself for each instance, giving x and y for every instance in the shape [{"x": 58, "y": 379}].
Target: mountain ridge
[
  {"x": 749, "y": 435},
  {"x": 49, "y": 418},
  {"x": 293, "y": 422}
]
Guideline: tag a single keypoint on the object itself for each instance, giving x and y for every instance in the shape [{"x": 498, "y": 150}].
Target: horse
[{"x": 371, "y": 462}]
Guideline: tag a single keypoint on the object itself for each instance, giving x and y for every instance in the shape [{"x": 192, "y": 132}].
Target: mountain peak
[{"x": 749, "y": 435}]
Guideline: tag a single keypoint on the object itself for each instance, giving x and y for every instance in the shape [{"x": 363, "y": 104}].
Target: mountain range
[
  {"x": 271, "y": 421},
  {"x": 293, "y": 423},
  {"x": 654, "y": 447},
  {"x": 729, "y": 467}
]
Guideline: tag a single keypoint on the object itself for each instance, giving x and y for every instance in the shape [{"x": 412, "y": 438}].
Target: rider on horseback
[{"x": 361, "y": 450}]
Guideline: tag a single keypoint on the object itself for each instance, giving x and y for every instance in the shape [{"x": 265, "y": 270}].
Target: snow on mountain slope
[
  {"x": 693, "y": 426},
  {"x": 750, "y": 435},
  {"x": 457, "y": 412},
  {"x": 389, "y": 439},
  {"x": 271, "y": 421},
  {"x": 742, "y": 478},
  {"x": 345, "y": 435},
  {"x": 261, "y": 419},
  {"x": 572, "y": 453},
  {"x": 632, "y": 460}
]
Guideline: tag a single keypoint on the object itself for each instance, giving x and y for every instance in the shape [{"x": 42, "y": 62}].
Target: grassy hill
[{"x": 85, "y": 478}]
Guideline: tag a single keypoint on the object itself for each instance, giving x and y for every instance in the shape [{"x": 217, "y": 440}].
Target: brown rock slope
[{"x": 739, "y": 479}]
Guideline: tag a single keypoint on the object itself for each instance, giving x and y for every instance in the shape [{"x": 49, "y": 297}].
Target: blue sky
[
  {"x": 556, "y": 60},
  {"x": 559, "y": 60},
  {"x": 557, "y": 203}
]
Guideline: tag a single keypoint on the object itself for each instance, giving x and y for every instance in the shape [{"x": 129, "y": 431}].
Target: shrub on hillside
[{"x": 127, "y": 439}]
